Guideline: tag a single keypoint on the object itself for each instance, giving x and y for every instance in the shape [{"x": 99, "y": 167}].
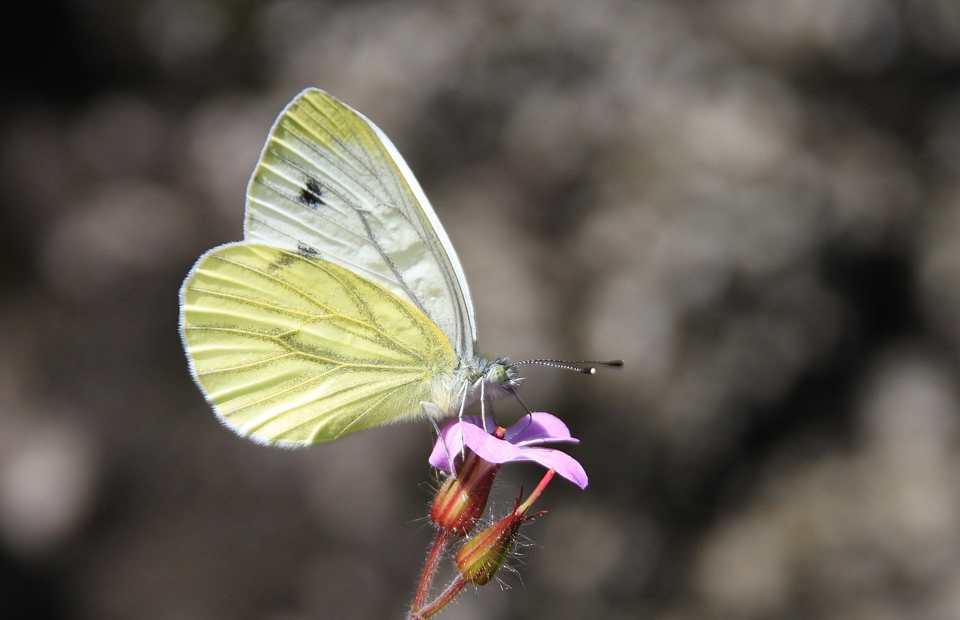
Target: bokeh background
[{"x": 755, "y": 203}]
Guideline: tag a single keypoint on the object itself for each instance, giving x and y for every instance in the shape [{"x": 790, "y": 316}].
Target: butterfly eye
[{"x": 497, "y": 374}]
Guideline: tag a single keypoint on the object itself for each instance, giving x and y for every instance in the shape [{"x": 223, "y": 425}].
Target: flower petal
[
  {"x": 563, "y": 463},
  {"x": 455, "y": 434},
  {"x": 488, "y": 447},
  {"x": 537, "y": 428},
  {"x": 443, "y": 455},
  {"x": 447, "y": 447}
]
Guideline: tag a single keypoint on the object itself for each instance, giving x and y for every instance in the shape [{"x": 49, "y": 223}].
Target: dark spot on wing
[
  {"x": 312, "y": 194},
  {"x": 303, "y": 248},
  {"x": 283, "y": 261}
]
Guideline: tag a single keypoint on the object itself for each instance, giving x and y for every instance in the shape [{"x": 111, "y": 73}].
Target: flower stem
[
  {"x": 429, "y": 572},
  {"x": 442, "y": 601}
]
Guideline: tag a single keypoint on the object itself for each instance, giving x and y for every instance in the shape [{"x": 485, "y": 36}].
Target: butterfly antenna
[{"x": 587, "y": 367}]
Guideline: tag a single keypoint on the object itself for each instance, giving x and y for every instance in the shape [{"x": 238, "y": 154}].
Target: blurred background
[{"x": 755, "y": 203}]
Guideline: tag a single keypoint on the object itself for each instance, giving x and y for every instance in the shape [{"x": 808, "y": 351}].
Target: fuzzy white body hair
[{"x": 454, "y": 391}]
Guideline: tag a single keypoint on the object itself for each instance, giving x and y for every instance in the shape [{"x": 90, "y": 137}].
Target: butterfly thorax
[{"x": 473, "y": 378}]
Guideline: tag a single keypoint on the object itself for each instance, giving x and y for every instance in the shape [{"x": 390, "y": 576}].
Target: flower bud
[
  {"x": 480, "y": 558},
  {"x": 463, "y": 497}
]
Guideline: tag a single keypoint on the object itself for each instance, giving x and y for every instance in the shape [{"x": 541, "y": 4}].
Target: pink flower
[{"x": 520, "y": 443}]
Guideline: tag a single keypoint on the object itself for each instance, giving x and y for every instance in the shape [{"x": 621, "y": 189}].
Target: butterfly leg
[
  {"x": 529, "y": 415},
  {"x": 483, "y": 405},
  {"x": 522, "y": 404},
  {"x": 463, "y": 405}
]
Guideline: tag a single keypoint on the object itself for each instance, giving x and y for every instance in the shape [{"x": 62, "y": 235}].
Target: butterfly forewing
[
  {"x": 295, "y": 350},
  {"x": 330, "y": 183}
]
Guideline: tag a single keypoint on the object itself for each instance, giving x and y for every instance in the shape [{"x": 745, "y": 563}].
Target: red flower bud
[{"x": 462, "y": 497}]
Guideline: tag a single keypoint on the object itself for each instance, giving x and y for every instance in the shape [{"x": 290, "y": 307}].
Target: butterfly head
[
  {"x": 499, "y": 377},
  {"x": 501, "y": 374},
  {"x": 497, "y": 374}
]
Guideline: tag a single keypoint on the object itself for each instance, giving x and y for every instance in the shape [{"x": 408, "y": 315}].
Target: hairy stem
[
  {"x": 429, "y": 572},
  {"x": 442, "y": 601}
]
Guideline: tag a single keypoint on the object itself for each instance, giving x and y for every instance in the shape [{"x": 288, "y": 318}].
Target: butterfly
[{"x": 345, "y": 305}]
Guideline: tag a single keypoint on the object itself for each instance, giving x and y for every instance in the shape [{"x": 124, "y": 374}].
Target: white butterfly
[{"x": 345, "y": 305}]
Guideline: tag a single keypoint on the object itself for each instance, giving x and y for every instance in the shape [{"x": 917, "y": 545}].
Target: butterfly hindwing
[{"x": 293, "y": 349}]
